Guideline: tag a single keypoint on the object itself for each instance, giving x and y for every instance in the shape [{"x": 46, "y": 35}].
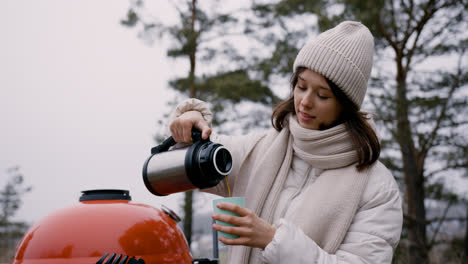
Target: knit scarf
[
  {"x": 323, "y": 149},
  {"x": 326, "y": 214}
]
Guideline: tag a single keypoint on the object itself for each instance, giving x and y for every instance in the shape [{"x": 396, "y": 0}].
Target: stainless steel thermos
[{"x": 201, "y": 165}]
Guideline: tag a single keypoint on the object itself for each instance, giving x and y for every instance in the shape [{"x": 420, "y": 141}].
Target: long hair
[{"x": 363, "y": 136}]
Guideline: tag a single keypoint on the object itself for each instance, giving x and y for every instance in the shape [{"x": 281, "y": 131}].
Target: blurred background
[{"x": 86, "y": 88}]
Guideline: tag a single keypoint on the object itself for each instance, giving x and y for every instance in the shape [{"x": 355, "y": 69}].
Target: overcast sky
[{"x": 79, "y": 100}]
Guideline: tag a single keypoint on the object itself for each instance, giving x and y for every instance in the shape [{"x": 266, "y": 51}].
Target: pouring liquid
[{"x": 229, "y": 189}]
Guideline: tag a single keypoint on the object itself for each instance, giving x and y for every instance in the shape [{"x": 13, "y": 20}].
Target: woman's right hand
[{"x": 181, "y": 127}]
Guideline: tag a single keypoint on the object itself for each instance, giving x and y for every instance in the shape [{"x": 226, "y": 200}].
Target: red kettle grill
[{"x": 105, "y": 227}]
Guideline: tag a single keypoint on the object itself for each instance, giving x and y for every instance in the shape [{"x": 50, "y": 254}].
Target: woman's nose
[{"x": 307, "y": 100}]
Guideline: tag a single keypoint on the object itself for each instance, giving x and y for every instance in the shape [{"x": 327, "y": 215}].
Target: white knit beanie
[{"x": 343, "y": 55}]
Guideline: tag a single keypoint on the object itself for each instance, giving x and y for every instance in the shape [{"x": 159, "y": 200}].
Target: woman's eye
[
  {"x": 322, "y": 96},
  {"x": 301, "y": 88}
]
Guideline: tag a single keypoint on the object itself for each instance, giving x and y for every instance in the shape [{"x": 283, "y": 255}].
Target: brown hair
[{"x": 363, "y": 136}]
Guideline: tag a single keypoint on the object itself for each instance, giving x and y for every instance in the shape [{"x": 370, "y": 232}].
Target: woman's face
[{"x": 316, "y": 106}]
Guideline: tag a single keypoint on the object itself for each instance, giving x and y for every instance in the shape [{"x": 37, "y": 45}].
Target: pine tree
[
  {"x": 11, "y": 196},
  {"x": 197, "y": 37}
]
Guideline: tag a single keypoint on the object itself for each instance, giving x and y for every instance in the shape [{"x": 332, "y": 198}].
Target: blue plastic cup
[{"x": 234, "y": 200}]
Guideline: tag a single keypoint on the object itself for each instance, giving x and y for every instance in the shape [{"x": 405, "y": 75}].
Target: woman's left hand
[{"x": 251, "y": 229}]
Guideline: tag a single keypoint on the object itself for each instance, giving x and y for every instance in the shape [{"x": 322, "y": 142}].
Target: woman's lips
[{"x": 305, "y": 117}]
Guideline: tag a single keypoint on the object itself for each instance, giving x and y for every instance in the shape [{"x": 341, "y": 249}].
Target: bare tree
[{"x": 422, "y": 101}]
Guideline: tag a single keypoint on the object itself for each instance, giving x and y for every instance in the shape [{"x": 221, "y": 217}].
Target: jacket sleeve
[
  {"x": 191, "y": 104},
  {"x": 371, "y": 238},
  {"x": 238, "y": 146}
]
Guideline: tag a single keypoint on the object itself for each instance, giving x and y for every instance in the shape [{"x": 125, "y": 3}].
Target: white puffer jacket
[
  {"x": 372, "y": 237},
  {"x": 374, "y": 232}
]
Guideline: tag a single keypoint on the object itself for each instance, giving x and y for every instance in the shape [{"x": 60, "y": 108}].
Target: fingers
[
  {"x": 235, "y": 241},
  {"x": 252, "y": 230},
  {"x": 181, "y": 127},
  {"x": 242, "y": 223},
  {"x": 187, "y": 131},
  {"x": 174, "y": 127},
  {"x": 231, "y": 219},
  {"x": 233, "y": 230},
  {"x": 242, "y": 211},
  {"x": 204, "y": 128}
]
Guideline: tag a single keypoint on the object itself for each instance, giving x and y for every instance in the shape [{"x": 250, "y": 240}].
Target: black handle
[
  {"x": 169, "y": 142},
  {"x": 196, "y": 135}
]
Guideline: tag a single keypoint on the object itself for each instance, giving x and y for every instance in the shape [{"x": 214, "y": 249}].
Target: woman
[{"x": 314, "y": 188}]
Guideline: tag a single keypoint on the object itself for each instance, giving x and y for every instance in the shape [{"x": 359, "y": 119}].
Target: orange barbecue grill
[{"x": 106, "y": 228}]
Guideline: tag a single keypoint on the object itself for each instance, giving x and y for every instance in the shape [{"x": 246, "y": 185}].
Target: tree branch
[
  {"x": 448, "y": 219},
  {"x": 426, "y": 42},
  {"x": 446, "y": 168},
  {"x": 221, "y": 36},
  {"x": 394, "y": 25},
  {"x": 428, "y": 144},
  {"x": 441, "y": 220},
  {"x": 409, "y": 11},
  {"x": 428, "y": 14},
  {"x": 377, "y": 107},
  {"x": 386, "y": 35}
]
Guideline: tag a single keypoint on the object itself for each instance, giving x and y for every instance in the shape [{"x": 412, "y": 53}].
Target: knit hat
[{"x": 343, "y": 55}]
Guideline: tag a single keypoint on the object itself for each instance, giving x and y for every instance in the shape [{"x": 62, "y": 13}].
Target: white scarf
[
  {"x": 323, "y": 149},
  {"x": 331, "y": 203}
]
